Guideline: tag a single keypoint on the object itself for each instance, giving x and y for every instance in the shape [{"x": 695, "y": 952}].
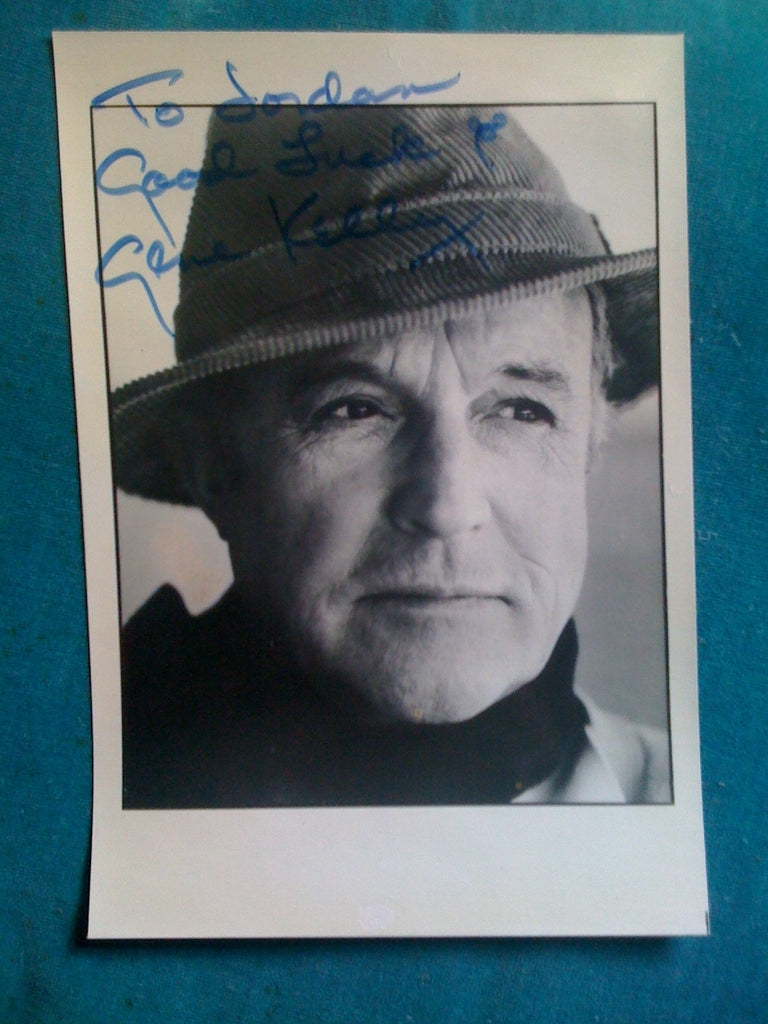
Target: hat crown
[{"x": 296, "y": 204}]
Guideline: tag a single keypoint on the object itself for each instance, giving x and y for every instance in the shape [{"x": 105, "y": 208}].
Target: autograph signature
[
  {"x": 126, "y": 172},
  {"x": 387, "y": 219}
]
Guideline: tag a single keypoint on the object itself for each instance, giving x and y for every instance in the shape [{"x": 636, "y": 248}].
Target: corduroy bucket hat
[{"x": 316, "y": 227}]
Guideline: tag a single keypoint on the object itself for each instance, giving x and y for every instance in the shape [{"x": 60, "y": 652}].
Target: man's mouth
[{"x": 423, "y": 598}]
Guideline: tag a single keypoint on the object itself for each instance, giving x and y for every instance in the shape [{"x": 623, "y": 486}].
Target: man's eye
[
  {"x": 525, "y": 410},
  {"x": 350, "y": 409}
]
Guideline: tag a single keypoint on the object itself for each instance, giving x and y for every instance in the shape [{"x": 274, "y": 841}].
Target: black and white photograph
[
  {"x": 400, "y": 349},
  {"x": 386, "y": 469}
]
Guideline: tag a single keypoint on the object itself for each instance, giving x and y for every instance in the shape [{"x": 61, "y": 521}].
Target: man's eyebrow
[
  {"x": 544, "y": 375},
  {"x": 326, "y": 371}
]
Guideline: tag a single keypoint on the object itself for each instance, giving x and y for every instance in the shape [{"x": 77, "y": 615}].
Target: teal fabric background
[{"x": 47, "y": 973}]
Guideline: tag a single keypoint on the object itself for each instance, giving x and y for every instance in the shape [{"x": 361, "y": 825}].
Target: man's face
[{"x": 413, "y": 509}]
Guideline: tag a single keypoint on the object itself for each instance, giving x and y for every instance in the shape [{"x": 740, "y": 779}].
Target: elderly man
[{"x": 397, "y": 345}]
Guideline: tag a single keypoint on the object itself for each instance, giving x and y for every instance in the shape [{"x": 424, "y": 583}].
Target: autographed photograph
[{"x": 382, "y": 456}]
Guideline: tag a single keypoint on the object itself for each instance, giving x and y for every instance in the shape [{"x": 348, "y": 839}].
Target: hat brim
[{"x": 143, "y": 463}]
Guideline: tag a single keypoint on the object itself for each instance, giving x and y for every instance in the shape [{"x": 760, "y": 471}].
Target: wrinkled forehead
[{"x": 547, "y": 339}]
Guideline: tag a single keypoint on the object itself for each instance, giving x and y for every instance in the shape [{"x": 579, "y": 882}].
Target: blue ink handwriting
[
  {"x": 125, "y": 172},
  {"x": 219, "y": 254},
  {"x": 167, "y": 115},
  {"x": 155, "y": 262},
  {"x": 486, "y": 131},
  {"x": 455, "y": 235},
  {"x": 329, "y": 94},
  {"x": 387, "y": 219},
  {"x": 403, "y": 146},
  {"x": 153, "y": 184}
]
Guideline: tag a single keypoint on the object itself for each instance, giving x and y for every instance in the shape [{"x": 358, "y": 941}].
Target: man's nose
[{"x": 440, "y": 491}]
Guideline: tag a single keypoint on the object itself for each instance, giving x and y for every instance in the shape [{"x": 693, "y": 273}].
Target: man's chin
[
  {"x": 426, "y": 662},
  {"x": 431, "y": 690}
]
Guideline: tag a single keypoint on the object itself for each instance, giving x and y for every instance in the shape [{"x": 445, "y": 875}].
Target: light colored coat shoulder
[{"x": 622, "y": 762}]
